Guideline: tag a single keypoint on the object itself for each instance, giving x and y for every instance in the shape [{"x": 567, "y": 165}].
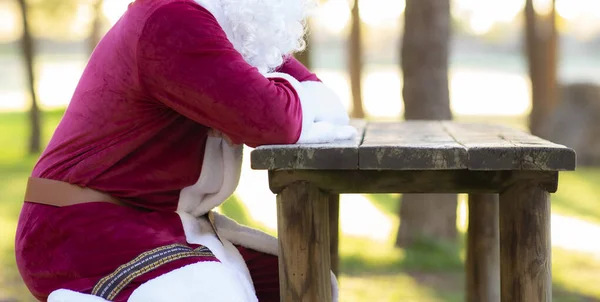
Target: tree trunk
[
  {"x": 28, "y": 51},
  {"x": 424, "y": 53},
  {"x": 427, "y": 216},
  {"x": 96, "y": 32},
  {"x": 541, "y": 44},
  {"x": 355, "y": 63}
]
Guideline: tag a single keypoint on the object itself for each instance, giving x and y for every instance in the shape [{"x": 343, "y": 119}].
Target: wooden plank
[
  {"x": 341, "y": 155},
  {"x": 483, "y": 249},
  {"x": 303, "y": 229},
  {"x": 334, "y": 232},
  {"x": 422, "y": 145},
  {"x": 540, "y": 154},
  {"x": 486, "y": 149},
  {"x": 413, "y": 145},
  {"x": 443, "y": 181},
  {"x": 525, "y": 251},
  {"x": 496, "y": 147}
]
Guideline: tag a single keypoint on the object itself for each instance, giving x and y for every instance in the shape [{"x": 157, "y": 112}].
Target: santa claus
[{"x": 119, "y": 205}]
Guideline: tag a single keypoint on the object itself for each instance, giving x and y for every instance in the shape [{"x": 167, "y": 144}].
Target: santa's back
[{"x": 114, "y": 131}]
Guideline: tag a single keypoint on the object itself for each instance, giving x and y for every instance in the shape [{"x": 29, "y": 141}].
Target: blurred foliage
[{"x": 60, "y": 19}]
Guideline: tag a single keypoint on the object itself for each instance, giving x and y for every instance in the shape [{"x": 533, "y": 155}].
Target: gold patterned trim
[{"x": 110, "y": 286}]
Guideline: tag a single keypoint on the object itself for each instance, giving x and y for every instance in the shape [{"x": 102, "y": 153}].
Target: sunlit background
[
  {"x": 486, "y": 51},
  {"x": 488, "y": 77}
]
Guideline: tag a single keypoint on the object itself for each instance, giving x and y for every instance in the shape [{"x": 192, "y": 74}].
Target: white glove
[
  {"x": 328, "y": 107},
  {"x": 324, "y": 118}
]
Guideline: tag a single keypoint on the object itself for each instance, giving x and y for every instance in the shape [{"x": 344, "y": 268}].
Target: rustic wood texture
[
  {"x": 493, "y": 147},
  {"x": 341, "y": 155},
  {"x": 414, "y": 145},
  {"x": 303, "y": 228},
  {"x": 483, "y": 249},
  {"x": 449, "y": 181},
  {"x": 422, "y": 145},
  {"x": 525, "y": 251},
  {"x": 334, "y": 232}
]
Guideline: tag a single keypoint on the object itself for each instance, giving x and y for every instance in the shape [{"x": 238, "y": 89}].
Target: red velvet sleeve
[
  {"x": 186, "y": 62},
  {"x": 297, "y": 70}
]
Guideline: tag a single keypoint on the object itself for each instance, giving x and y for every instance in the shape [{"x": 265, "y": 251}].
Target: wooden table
[{"x": 422, "y": 157}]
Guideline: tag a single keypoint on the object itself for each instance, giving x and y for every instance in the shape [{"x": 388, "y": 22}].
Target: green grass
[
  {"x": 15, "y": 166},
  {"x": 579, "y": 194},
  {"x": 371, "y": 270}
]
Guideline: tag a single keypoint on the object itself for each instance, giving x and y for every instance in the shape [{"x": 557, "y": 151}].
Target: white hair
[{"x": 263, "y": 31}]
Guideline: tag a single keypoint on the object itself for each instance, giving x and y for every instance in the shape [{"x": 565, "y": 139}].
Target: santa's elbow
[
  {"x": 282, "y": 136},
  {"x": 293, "y": 135},
  {"x": 288, "y": 135},
  {"x": 278, "y": 136}
]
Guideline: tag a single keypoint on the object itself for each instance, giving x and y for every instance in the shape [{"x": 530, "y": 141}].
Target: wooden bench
[{"x": 422, "y": 157}]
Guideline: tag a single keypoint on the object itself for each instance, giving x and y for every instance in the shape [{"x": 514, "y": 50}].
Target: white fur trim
[
  {"x": 295, "y": 83},
  {"x": 220, "y": 175},
  {"x": 199, "y": 231},
  {"x": 65, "y": 295},
  {"x": 335, "y": 291},
  {"x": 245, "y": 236},
  {"x": 204, "y": 281}
]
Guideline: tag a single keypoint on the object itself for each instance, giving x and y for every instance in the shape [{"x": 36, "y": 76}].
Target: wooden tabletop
[
  {"x": 422, "y": 157},
  {"x": 425, "y": 146}
]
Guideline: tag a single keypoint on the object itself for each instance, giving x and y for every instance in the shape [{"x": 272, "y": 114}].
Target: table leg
[
  {"x": 483, "y": 249},
  {"x": 525, "y": 251},
  {"x": 303, "y": 231},
  {"x": 334, "y": 232}
]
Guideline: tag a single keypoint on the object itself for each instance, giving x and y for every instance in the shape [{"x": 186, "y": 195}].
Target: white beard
[{"x": 262, "y": 31}]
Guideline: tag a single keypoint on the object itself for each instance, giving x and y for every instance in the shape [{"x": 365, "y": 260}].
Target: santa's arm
[
  {"x": 186, "y": 62},
  {"x": 297, "y": 70},
  {"x": 320, "y": 103}
]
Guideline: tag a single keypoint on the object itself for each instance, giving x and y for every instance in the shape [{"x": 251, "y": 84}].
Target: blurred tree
[
  {"x": 47, "y": 18},
  {"x": 55, "y": 19},
  {"x": 541, "y": 45},
  {"x": 96, "y": 32},
  {"x": 28, "y": 51},
  {"x": 355, "y": 62},
  {"x": 424, "y": 55}
]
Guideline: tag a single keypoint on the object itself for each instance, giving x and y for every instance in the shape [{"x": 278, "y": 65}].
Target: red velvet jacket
[{"x": 163, "y": 75}]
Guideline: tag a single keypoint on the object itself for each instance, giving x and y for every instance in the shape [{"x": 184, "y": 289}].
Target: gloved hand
[{"x": 325, "y": 118}]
